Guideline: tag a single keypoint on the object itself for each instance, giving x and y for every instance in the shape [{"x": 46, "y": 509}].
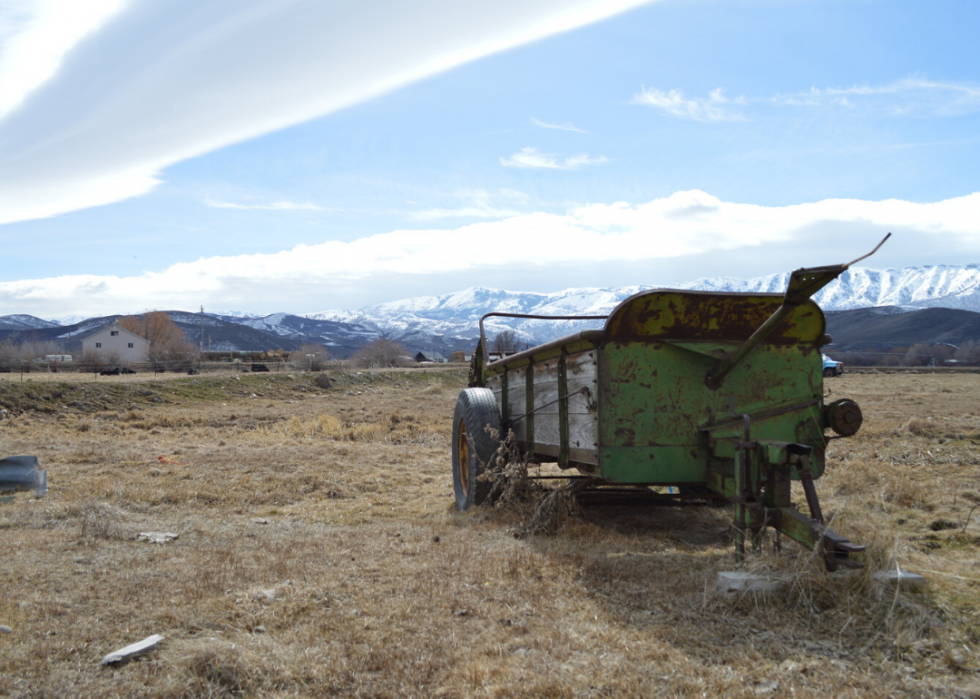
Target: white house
[{"x": 112, "y": 339}]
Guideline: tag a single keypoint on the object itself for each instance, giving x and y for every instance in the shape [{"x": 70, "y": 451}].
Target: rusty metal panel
[
  {"x": 707, "y": 317},
  {"x": 652, "y": 395}
]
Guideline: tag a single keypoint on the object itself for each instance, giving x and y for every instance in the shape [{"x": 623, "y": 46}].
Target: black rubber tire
[
  {"x": 829, "y": 372},
  {"x": 473, "y": 444}
]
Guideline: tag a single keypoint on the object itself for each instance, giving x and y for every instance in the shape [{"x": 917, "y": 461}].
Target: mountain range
[{"x": 449, "y": 322}]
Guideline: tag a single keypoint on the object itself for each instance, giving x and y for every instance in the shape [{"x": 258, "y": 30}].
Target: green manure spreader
[{"x": 718, "y": 395}]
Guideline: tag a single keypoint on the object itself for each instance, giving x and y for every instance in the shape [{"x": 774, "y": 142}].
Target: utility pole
[{"x": 202, "y": 329}]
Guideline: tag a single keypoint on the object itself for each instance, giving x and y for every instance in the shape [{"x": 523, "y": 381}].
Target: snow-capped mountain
[
  {"x": 449, "y": 322},
  {"x": 21, "y": 321},
  {"x": 66, "y": 320},
  {"x": 456, "y": 316},
  {"x": 938, "y": 286}
]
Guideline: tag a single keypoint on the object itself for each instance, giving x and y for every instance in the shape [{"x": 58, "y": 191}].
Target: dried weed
[{"x": 312, "y": 562}]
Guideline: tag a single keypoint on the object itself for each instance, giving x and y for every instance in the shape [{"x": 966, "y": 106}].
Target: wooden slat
[
  {"x": 581, "y": 374},
  {"x": 581, "y": 430}
]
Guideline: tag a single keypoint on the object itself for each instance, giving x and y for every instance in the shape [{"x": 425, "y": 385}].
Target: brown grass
[{"x": 319, "y": 554}]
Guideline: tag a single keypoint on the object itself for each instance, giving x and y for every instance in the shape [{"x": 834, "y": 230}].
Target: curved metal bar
[{"x": 483, "y": 335}]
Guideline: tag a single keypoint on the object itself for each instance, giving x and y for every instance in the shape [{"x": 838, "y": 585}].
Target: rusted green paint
[
  {"x": 707, "y": 317},
  {"x": 660, "y": 422},
  {"x": 653, "y": 465},
  {"x": 653, "y": 394}
]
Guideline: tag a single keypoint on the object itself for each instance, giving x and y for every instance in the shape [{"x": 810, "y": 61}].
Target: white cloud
[
  {"x": 273, "y": 206},
  {"x": 560, "y": 127},
  {"x": 683, "y": 224},
  {"x": 529, "y": 158},
  {"x": 673, "y": 102},
  {"x": 167, "y": 81},
  {"x": 35, "y": 35}
]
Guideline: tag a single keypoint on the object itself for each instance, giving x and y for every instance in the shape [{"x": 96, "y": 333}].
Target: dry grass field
[{"x": 319, "y": 553}]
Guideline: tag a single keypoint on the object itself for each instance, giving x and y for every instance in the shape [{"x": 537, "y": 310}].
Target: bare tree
[
  {"x": 969, "y": 352},
  {"x": 168, "y": 344},
  {"x": 9, "y": 356},
  {"x": 506, "y": 342},
  {"x": 32, "y": 348},
  {"x": 381, "y": 353},
  {"x": 310, "y": 357}
]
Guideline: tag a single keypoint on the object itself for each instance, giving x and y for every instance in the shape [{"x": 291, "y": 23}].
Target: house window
[
  {"x": 130, "y": 345},
  {"x": 98, "y": 345},
  {"x": 113, "y": 332}
]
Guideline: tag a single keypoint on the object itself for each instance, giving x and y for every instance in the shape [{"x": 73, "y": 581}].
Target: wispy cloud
[
  {"x": 529, "y": 158},
  {"x": 476, "y": 204},
  {"x": 683, "y": 224},
  {"x": 272, "y": 206},
  {"x": 515, "y": 195},
  {"x": 716, "y": 107},
  {"x": 909, "y": 96},
  {"x": 462, "y": 212},
  {"x": 167, "y": 81},
  {"x": 560, "y": 127}
]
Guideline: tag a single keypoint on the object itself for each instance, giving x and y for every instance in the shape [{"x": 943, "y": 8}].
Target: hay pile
[{"x": 540, "y": 509}]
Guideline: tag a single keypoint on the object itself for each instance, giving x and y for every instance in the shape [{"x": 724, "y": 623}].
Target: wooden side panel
[{"x": 581, "y": 376}]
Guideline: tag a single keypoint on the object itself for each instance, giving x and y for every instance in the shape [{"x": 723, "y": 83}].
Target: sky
[{"x": 307, "y": 155}]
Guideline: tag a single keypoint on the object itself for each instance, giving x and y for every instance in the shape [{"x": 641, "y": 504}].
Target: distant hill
[
  {"x": 880, "y": 329},
  {"x": 21, "y": 322},
  {"x": 218, "y": 334},
  {"x": 864, "y": 307}
]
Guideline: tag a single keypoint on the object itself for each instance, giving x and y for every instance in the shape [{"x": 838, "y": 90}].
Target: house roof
[{"x": 110, "y": 326}]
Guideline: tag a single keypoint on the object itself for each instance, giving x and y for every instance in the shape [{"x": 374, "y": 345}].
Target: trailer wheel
[{"x": 473, "y": 444}]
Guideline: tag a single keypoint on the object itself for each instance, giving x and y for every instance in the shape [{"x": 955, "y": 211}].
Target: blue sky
[{"x": 301, "y": 156}]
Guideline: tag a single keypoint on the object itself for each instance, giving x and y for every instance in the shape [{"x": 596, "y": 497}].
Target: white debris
[
  {"x": 157, "y": 537},
  {"x": 910, "y": 581},
  {"x": 133, "y": 650},
  {"x": 731, "y": 582}
]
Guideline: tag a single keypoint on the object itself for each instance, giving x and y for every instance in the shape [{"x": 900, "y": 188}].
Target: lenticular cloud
[{"x": 161, "y": 82}]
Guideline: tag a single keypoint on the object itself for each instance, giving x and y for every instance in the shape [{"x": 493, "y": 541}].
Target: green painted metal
[
  {"x": 653, "y": 465},
  {"x": 717, "y": 390}
]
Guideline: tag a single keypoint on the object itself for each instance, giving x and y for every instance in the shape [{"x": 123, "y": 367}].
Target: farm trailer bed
[{"x": 716, "y": 394}]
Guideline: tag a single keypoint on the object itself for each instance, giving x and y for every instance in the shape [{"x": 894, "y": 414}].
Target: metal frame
[{"x": 558, "y": 343}]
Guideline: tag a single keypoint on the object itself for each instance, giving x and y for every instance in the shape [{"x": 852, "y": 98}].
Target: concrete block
[
  {"x": 910, "y": 581},
  {"x": 733, "y": 582}
]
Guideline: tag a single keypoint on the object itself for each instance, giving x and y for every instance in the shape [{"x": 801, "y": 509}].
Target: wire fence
[{"x": 188, "y": 367}]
